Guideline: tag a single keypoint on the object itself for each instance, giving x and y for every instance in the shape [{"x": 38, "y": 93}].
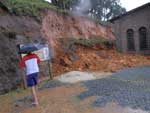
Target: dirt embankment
[
  {"x": 24, "y": 29},
  {"x": 56, "y": 25},
  {"x": 14, "y": 30}
]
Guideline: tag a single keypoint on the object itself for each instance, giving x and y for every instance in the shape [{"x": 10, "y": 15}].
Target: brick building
[{"x": 132, "y": 30}]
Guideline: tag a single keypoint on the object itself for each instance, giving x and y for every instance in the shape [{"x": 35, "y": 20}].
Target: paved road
[{"x": 139, "y": 73}]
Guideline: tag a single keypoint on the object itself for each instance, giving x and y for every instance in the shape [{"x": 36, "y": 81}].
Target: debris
[{"x": 91, "y": 59}]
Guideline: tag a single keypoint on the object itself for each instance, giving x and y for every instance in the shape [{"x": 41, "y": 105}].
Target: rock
[{"x": 65, "y": 62}]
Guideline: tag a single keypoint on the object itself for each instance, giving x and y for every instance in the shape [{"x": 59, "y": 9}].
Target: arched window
[
  {"x": 130, "y": 40},
  {"x": 143, "y": 38}
]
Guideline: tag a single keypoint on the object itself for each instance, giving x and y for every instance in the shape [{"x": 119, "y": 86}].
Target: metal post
[{"x": 50, "y": 69}]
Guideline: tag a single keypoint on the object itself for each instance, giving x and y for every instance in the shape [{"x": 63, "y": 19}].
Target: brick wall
[{"x": 134, "y": 20}]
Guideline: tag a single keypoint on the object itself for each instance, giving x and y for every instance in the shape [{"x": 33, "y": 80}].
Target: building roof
[{"x": 130, "y": 12}]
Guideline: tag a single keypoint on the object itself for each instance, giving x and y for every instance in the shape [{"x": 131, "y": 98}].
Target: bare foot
[{"x": 35, "y": 103}]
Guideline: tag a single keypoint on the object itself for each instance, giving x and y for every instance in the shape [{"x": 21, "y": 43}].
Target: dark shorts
[{"x": 32, "y": 79}]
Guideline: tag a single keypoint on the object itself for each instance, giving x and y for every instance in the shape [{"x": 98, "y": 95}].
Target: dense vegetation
[
  {"x": 69, "y": 44},
  {"x": 100, "y": 9},
  {"x": 97, "y": 9},
  {"x": 28, "y": 7}
]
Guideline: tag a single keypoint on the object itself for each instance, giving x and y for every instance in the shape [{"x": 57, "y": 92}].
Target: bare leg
[{"x": 35, "y": 95}]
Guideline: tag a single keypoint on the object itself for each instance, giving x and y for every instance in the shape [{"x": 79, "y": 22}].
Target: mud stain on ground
[
  {"x": 59, "y": 100},
  {"x": 62, "y": 99}
]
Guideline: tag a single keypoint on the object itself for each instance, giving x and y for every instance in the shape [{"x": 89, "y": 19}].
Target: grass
[
  {"x": 30, "y": 7},
  {"x": 33, "y": 8},
  {"x": 69, "y": 45},
  {"x": 91, "y": 42},
  {"x": 15, "y": 93}
]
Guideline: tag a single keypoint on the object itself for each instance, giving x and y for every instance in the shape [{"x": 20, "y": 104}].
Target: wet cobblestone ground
[{"x": 128, "y": 88}]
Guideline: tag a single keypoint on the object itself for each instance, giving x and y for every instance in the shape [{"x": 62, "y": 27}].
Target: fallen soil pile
[{"x": 96, "y": 59}]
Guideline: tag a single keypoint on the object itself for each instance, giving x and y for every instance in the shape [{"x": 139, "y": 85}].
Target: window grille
[
  {"x": 143, "y": 38},
  {"x": 130, "y": 40}
]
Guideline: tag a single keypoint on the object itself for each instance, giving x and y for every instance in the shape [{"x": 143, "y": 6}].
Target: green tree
[
  {"x": 106, "y": 9},
  {"x": 64, "y": 4},
  {"x": 100, "y": 9}
]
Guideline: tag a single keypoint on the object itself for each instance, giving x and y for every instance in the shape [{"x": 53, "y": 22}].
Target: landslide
[
  {"x": 89, "y": 55},
  {"x": 29, "y": 21},
  {"x": 21, "y": 24},
  {"x": 56, "y": 26}
]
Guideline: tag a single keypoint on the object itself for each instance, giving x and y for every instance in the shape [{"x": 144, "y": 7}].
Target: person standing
[{"x": 30, "y": 63}]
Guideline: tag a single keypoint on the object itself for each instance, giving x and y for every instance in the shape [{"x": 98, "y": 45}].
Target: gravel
[
  {"x": 139, "y": 73},
  {"x": 128, "y": 88}
]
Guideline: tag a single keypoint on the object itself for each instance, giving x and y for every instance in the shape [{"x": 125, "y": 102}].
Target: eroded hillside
[
  {"x": 57, "y": 26},
  {"x": 18, "y": 28},
  {"x": 91, "y": 47}
]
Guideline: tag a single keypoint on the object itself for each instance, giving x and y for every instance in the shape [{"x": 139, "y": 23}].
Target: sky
[
  {"x": 131, "y": 4},
  {"x": 48, "y": 0}
]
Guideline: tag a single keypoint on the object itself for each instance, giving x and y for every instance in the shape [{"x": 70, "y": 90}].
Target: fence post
[{"x": 50, "y": 69}]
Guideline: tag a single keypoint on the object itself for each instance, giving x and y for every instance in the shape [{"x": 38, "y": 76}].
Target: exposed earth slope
[
  {"x": 20, "y": 24},
  {"x": 19, "y": 27}
]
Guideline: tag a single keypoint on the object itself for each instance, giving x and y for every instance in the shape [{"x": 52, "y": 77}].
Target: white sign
[{"x": 43, "y": 52}]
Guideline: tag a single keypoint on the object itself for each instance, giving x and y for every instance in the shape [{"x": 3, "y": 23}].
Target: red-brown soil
[
  {"x": 61, "y": 100},
  {"x": 94, "y": 59},
  {"x": 56, "y": 26}
]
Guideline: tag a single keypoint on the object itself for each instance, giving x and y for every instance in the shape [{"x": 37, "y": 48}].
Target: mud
[{"x": 61, "y": 99}]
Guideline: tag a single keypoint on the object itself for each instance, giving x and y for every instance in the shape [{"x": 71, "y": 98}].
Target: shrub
[
  {"x": 69, "y": 44},
  {"x": 28, "y": 7}
]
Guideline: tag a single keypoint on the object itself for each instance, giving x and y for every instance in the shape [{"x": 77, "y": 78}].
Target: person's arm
[
  {"x": 38, "y": 59},
  {"x": 22, "y": 64}
]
